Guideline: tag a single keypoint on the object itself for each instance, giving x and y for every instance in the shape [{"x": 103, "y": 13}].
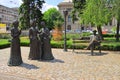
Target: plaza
[{"x": 78, "y": 65}]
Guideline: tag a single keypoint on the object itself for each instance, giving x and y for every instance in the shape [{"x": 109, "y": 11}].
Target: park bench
[{"x": 84, "y": 41}]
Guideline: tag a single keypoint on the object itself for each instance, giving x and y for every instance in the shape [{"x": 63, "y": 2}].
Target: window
[
  {"x": 69, "y": 27},
  {"x": 69, "y": 18},
  {"x": 69, "y": 9}
]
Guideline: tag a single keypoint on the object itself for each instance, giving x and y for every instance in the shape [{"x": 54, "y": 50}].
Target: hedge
[
  {"x": 106, "y": 45},
  {"x": 5, "y": 36}
]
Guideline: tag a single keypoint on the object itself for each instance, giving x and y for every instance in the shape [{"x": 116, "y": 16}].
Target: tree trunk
[
  {"x": 117, "y": 31},
  {"x": 27, "y": 14},
  {"x": 100, "y": 32}
]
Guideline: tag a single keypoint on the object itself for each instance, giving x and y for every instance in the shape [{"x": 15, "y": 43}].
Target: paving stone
[{"x": 79, "y": 65}]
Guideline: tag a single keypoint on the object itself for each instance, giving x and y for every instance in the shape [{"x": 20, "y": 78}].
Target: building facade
[
  {"x": 68, "y": 5},
  {"x": 8, "y": 15}
]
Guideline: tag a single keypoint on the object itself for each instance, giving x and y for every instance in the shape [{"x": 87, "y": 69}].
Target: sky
[{"x": 17, "y": 3}]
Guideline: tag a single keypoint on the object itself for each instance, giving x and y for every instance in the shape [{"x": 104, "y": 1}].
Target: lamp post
[{"x": 65, "y": 15}]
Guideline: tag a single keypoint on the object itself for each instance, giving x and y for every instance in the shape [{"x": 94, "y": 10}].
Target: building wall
[
  {"x": 8, "y": 15},
  {"x": 69, "y": 7}
]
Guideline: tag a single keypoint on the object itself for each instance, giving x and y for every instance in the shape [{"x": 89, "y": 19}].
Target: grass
[{"x": 4, "y": 41}]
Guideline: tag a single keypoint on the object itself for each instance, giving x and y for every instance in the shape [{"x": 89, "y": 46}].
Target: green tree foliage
[
  {"x": 97, "y": 13},
  {"x": 115, "y": 6},
  {"x": 52, "y": 17},
  {"x": 58, "y": 23},
  {"x": 30, "y": 10},
  {"x": 79, "y": 5}
]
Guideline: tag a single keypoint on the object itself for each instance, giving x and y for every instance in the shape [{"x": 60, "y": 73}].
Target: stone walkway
[{"x": 79, "y": 65}]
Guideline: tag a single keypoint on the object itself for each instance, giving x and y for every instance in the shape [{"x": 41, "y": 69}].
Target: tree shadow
[
  {"x": 29, "y": 66},
  {"x": 53, "y": 61},
  {"x": 94, "y": 53}
]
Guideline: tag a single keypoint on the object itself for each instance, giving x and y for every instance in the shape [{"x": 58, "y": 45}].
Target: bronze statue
[
  {"x": 95, "y": 40},
  {"x": 15, "y": 54},
  {"x": 35, "y": 48},
  {"x": 46, "y": 47}
]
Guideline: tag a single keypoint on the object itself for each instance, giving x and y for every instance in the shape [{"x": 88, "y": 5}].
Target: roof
[{"x": 67, "y": 1}]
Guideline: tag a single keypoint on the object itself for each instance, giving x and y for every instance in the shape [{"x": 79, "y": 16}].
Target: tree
[
  {"x": 79, "y": 5},
  {"x": 24, "y": 11},
  {"x": 30, "y": 10},
  {"x": 115, "y": 5},
  {"x": 96, "y": 13},
  {"x": 51, "y": 16},
  {"x": 57, "y": 32}
]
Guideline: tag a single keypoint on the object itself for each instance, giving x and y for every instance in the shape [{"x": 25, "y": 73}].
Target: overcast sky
[{"x": 17, "y": 3}]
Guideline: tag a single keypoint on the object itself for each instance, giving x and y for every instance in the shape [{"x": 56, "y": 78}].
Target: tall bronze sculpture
[
  {"x": 15, "y": 54},
  {"x": 35, "y": 48},
  {"x": 46, "y": 47}
]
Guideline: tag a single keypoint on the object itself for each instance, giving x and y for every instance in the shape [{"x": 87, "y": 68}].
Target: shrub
[
  {"x": 108, "y": 35},
  {"x": 110, "y": 47},
  {"x": 108, "y": 44},
  {"x": 57, "y": 34},
  {"x": 5, "y": 36},
  {"x": 24, "y": 44},
  {"x": 85, "y": 34},
  {"x": 4, "y": 43},
  {"x": 57, "y": 44},
  {"x": 2, "y": 46},
  {"x": 71, "y": 35}
]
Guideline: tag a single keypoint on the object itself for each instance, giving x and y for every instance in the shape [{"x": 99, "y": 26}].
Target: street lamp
[{"x": 65, "y": 15}]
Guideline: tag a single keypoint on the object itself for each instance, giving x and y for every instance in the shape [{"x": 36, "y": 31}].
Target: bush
[
  {"x": 2, "y": 46},
  {"x": 86, "y": 34},
  {"x": 71, "y": 35},
  {"x": 5, "y": 36},
  {"x": 57, "y": 44},
  {"x": 24, "y": 41},
  {"x": 108, "y": 44},
  {"x": 108, "y": 35},
  {"x": 110, "y": 47},
  {"x": 4, "y": 43},
  {"x": 24, "y": 44}
]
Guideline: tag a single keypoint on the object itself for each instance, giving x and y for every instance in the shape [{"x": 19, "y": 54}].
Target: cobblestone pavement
[{"x": 79, "y": 65}]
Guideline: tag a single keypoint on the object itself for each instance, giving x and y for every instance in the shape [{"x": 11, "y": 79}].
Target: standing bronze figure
[
  {"x": 35, "y": 47},
  {"x": 46, "y": 47},
  {"x": 15, "y": 54}
]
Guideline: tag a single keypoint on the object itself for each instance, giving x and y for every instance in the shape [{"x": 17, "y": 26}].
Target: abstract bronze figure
[
  {"x": 15, "y": 54},
  {"x": 46, "y": 47}
]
